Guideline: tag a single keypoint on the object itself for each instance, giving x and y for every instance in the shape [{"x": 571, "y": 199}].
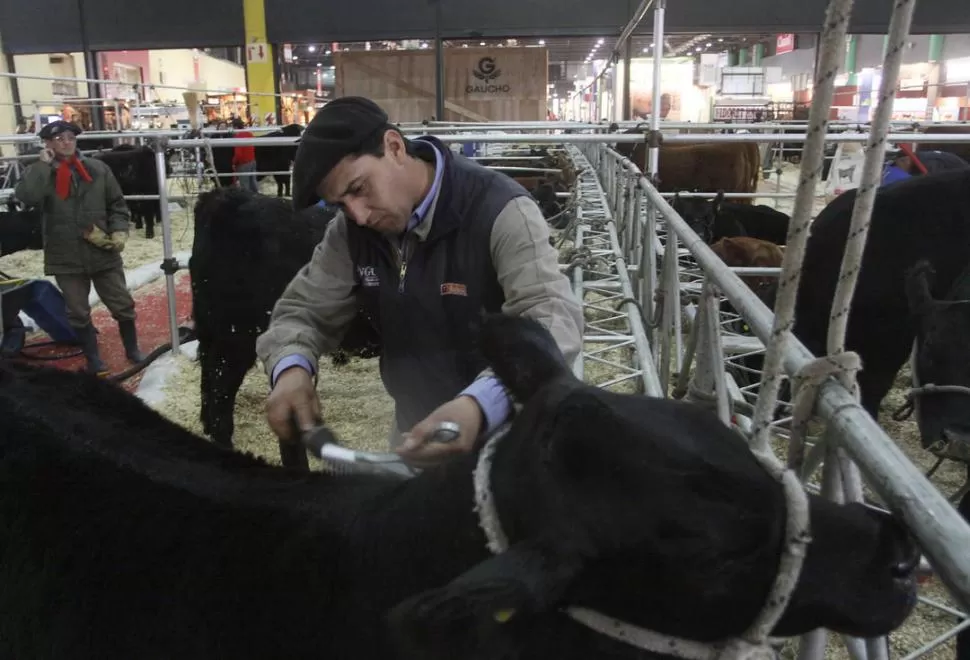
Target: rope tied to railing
[
  {"x": 830, "y": 57},
  {"x": 650, "y": 324},
  {"x": 805, "y": 386},
  {"x": 583, "y": 257}
]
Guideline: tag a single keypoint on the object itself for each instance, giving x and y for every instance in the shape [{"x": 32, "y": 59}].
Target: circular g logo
[{"x": 486, "y": 65}]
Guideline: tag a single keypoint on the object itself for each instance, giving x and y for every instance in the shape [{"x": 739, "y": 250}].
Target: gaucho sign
[{"x": 487, "y": 73}]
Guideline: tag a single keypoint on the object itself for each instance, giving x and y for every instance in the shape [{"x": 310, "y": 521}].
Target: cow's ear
[
  {"x": 919, "y": 281},
  {"x": 484, "y": 611}
]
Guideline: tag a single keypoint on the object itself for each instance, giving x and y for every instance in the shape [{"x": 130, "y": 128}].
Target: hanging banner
[{"x": 785, "y": 43}]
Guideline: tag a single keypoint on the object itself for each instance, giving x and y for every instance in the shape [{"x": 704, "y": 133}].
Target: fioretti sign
[{"x": 487, "y": 74}]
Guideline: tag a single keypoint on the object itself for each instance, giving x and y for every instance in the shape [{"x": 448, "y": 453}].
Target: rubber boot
[
  {"x": 89, "y": 345},
  {"x": 129, "y": 337},
  {"x": 13, "y": 342}
]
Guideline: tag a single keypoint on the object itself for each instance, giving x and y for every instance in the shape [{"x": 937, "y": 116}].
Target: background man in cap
[
  {"x": 85, "y": 228},
  {"x": 424, "y": 241}
]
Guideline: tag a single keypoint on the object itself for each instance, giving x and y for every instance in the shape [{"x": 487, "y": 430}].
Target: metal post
[
  {"x": 15, "y": 90},
  {"x": 851, "y": 58},
  {"x": 439, "y": 61},
  {"x": 168, "y": 265},
  {"x": 625, "y": 86},
  {"x": 91, "y": 64},
  {"x": 658, "y": 53},
  {"x": 578, "y": 285}
]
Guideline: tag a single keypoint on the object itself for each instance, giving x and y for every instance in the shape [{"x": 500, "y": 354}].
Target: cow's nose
[{"x": 957, "y": 433}]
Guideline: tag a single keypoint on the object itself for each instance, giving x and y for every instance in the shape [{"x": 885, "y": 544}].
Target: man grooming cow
[{"x": 424, "y": 242}]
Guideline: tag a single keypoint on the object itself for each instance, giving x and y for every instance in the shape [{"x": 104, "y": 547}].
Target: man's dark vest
[{"x": 427, "y": 326}]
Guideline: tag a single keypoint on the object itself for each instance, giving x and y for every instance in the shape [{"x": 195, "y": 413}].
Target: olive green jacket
[{"x": 100, "y": 202}]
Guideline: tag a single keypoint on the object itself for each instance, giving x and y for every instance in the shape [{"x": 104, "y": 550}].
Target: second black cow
[
  {"x": 134, "y": 167},
  {"x": 246, "y": 250}
]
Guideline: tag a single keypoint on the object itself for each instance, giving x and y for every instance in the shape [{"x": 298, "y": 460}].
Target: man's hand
[
  {"x": 293, "y": 398},
  {"x": 96, "y": 236},
  {"x": 420, "y": 451},
  {"x": 46, "y": 155},
  {"x": 118, "y": 240}
]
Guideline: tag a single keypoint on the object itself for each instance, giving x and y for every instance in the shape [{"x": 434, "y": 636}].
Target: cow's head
[
  {"x": 647, "y": 510},
  {"x": 942, "y": 358},
  {"x": 699, "y": 213}
]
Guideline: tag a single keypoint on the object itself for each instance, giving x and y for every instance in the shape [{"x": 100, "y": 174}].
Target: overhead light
[
  {"x": 698, "y": 49},
  {"x": 721, "y": 40},
  {"x": 708, "y": 45},
  {"x": 481, "y": 43},
  {"x": 312, "y": 48},
  {"x": 332, "y": 67},
  {"x": 542, "y": 42},
  {"x": 645, "y": 50},
  {"x": 327, "y": 53},
  {"x": 464, "y": 45},
  {"x": 319, "y": 64},
  {"x": 600, "y": 42},
  {"x": 295, "y": 58},
  {"x": 424, "y": 45}
]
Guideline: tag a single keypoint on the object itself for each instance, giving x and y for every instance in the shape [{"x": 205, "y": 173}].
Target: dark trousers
[{"x": 110, "y": 285}]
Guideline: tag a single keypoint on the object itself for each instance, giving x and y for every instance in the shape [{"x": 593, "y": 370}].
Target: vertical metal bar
[
  {"x": 625, "y": 87},
  {"x": 658, "y": 52},
  {"x": 439, "y": 59},
  {"x": 578, "y": 287},
  {"x": 166, "y": 243}
]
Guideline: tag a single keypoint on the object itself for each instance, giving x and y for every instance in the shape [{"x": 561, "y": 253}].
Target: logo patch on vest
[
  {"x": 453, "y": 289},
  {"x": 368, "y": 276}
]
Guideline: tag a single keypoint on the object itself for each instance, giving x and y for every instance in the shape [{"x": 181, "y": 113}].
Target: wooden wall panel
[{"x": 481, "y": 84}]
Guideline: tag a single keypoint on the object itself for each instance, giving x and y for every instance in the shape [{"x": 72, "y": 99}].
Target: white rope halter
[{"x": 753, "y": 644}]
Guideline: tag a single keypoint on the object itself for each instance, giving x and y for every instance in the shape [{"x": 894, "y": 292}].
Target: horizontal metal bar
[
  {"x": 711, "y": 195},
  {"x": 607, "y": 339},
  {"x": 537, "y": 170},
  {"x": 96, "y": 81},
  {"x": 195, "y": 175}
]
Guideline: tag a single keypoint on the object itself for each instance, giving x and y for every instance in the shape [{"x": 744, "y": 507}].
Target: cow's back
[
  {"x": 704, "y": 167},
  {"x": 923, "y": 218},
  {"x": 245, "y": 252},
  {"x": 961, "y": 149}
]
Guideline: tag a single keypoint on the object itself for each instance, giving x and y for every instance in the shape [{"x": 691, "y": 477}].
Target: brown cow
[
  {"x": 733, "y": 167},
  {"x": 747, "y": 252}
]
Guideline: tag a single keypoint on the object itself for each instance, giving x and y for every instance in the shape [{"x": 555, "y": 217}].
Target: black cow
[
  {"x": 246, "y": 249},
  {"x": 20, "y": 229},
  {"x": 126, "y": 536},
  {"x": 934, "y": 161},
  {"x": 279, "y": 158},
  {"x": 923, "y": 218},
  {"x": 715, "y": 219},
  {"x": 268, "y": 159},
  {"x": 943, "y": 358},
  {"x": 134, "y": 167}
]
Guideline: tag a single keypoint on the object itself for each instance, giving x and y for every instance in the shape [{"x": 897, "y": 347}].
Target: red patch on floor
[{"x": 151, "y": 309}]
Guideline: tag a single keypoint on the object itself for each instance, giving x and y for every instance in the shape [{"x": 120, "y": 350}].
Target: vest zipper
[{"x": 403, "y": 271}]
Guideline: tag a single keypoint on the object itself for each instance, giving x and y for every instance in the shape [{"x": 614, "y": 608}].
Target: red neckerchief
[{"x": 63, "y": 186}]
